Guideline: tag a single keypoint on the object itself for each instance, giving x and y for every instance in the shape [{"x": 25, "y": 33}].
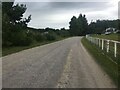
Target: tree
[
  {"x": 13, "y": 24},
  {"x": 85, "y": 25},
  {"x": 78, "y": 26},
  {"x": 99, "y": 26},
  {"x": 74, "y": 26}
]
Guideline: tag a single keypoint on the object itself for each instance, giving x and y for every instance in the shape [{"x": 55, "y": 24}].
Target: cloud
[
  {"x": 58, "y": 14},
  {"x": 79, "y": 5}
]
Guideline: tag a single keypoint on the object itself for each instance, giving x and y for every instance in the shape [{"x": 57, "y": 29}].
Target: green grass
[
  {"x": 110, "y": 36},
  {"x": 111, "y": 52},
  {"x": 102, "y": 59},
  {"x": 14, "y": 49}
]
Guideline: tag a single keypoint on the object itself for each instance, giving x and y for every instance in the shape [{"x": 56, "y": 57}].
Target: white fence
[{"x": 105, "y": 44}]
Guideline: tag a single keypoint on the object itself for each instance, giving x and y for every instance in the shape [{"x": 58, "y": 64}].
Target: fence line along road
[{"x": 105, "y": 44}]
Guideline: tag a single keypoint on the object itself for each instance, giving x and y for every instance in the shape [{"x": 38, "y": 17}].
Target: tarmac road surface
[{"x": 62, "y": 64}]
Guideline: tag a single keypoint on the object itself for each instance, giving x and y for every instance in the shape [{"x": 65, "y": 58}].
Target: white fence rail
[{"x": 104, "y": 44}]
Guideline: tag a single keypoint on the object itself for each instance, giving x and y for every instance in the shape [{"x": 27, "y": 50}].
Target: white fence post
[
  {"x": 102, "y": 44},
  {"x": 99, "y": 42},
  {"x": 96, "y": 41},
  {"x": 115, "y": 49},
  {"x": 108, "y": 45}
]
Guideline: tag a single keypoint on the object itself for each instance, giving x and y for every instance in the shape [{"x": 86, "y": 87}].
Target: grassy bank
[
  {"x": 110, "y": 36},
  {"x": 102, "y": 59},
  {"x": 14, "y": 49},
  {"x": 111, "y": 49}
]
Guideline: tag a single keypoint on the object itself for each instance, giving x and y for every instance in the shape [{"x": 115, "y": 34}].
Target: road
[{"x": 63, "y": 64}]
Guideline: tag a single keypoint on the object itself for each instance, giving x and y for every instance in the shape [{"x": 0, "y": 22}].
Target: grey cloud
[
  {"x": 77, "y": 5},
  {"x": 51, "y": 7},
  {"x": 42, "y": 11}
]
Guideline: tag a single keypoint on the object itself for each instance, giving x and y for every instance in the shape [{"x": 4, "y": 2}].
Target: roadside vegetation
[
  {"x": 111, "y": 45},
  {"x": 110, "y": 54},
  {"x": 102, "y": 59},
  {"x": 14, "y": 49},
  {"x": 110, "y": 36}
]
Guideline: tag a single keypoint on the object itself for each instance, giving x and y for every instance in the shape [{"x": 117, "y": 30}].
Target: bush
[
  {"x": 51, "y": 36},
  {"x": 21, "y": 39},
  {"x": 40, "y": 37},
  {"x": 27, "y": 41}
]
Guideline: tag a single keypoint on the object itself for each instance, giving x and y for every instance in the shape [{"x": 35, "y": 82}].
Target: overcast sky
[{"x": 58, "y": 14}]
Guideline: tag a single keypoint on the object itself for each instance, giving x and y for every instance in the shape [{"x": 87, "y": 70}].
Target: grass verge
[
  {"x": 14, "y": 49},
  {"x": 110, "y": 36},
  {"x": 102, "y": 59}
]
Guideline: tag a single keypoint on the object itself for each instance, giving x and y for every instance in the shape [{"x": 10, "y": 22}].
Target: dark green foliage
[
  {"x": 21, "y": 39},
  {"x": 16, "y": 13},
  {"x": 6, "y": 7},
  {"x": 83, "y": 25},
  {"x": 40, "y": 37},
  {"x": 75, "y": 29},
  {"x": 99, "y": 26},
  {"x": 51, "y": 36},
  {"x": 78, "y": 26},
  {"x": 74, "y": 26},
  {"x": 14, "y": 26},
  {"x": 63, "y": 32},
  {"x": 47, "y": 34}
]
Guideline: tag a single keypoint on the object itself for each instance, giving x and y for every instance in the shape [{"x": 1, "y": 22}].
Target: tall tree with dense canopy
[
  {"x": 78, "y": 26},
  {"x": 14, "y": 24},
  {"x": 74, "y": 26}
]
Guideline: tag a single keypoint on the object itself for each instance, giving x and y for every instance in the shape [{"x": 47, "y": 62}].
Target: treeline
[
  {"x": 99, "y": 26},
  {"x": 80, "y": 27},
  {"x": 48, "y": 34}
]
